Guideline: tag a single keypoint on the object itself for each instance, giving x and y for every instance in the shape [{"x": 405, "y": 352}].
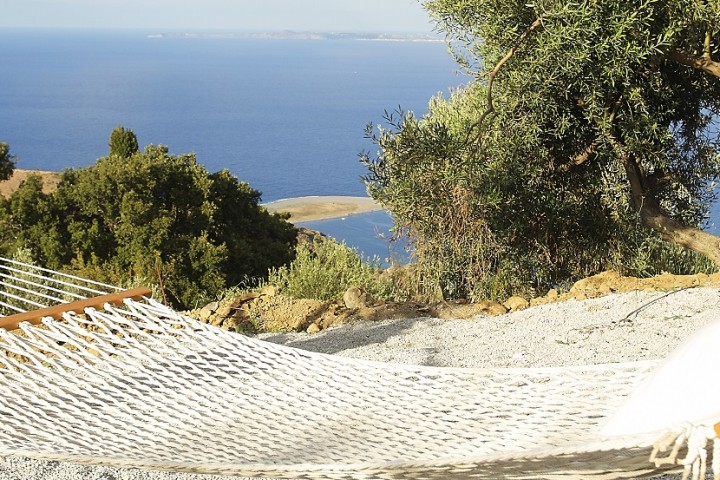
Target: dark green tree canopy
[
  {"x": 123, "y": 143},
  {"x": 153, "y": 218},
  {"x": 7, "y": 162}
]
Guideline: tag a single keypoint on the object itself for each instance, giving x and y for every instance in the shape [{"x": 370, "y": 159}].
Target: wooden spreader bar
[{"x": 12, "y": 322}]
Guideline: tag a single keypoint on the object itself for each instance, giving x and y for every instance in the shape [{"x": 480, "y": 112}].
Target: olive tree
[
  {"x": 587, "y": 127},
  {"x": 624, "y": 84}
]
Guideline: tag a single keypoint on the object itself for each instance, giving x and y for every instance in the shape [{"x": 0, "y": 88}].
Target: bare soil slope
[{"x": 50, "y": 181}]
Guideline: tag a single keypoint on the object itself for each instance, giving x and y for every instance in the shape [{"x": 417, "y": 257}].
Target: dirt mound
[
  {"x": 269, "y": 311},
  {"x": 610, "y": 282}
]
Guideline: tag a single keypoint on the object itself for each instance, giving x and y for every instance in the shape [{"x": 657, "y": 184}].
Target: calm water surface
[{"x": 287, "y": 116}]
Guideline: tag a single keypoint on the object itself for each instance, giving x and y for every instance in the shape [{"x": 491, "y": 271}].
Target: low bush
[{"x": 324, "y": 270}]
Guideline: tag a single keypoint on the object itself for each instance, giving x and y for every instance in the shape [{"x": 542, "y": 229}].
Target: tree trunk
[
  {"x": 651, "y": 215},
  {"x": 670, "y": 230},
  {"x": 703, "y": 63}
]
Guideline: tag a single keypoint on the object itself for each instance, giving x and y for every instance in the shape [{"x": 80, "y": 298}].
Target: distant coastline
[
  {"x": 50, "y": 180},
  {"x": 275, "y": 113},
  {"x": 293, "y": 35}
]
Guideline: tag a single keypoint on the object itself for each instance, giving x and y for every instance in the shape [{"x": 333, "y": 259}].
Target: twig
[
  {"x": 646, "y": 305},
  {"x": 491, "y": 77}
]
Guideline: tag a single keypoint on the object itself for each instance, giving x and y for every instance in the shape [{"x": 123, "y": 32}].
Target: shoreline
[{"x": 321, "y": 207}]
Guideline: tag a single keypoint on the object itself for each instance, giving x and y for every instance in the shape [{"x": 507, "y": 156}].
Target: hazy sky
[{"x": 318, "y": 15}]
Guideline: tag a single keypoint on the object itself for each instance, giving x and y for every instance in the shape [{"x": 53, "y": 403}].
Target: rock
[
  {"x": 328, "y": 321},
  {"x": 269, "y": 290},
  {"x": 490, "y": 307},
  {"x": 553, "y": 295},
  {"x": 243, "y": 298},
  {"x": 515, "y": 303},
  {"x": 313, "y": 328},
  {"x": 224, "y": 311},
  {"x": 216, "y": 320},
  {"x": 306, "y": 235},
  {"x": 299, "y": 324},
  {"x": 206, "y": 312},
  {"x": 599, "y": 284},
  {"x": 236, "y": 324},
  {"x": 356, "y": 297},
  {"x": 579, "y": 296},
  {"x": 469, "y": 310},
  {"x": 534, "y": 302}
]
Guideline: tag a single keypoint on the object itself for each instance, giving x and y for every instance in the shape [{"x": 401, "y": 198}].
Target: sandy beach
[{"x": 306, "y": 209}]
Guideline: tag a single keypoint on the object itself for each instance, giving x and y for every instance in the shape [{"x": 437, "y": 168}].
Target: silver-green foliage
[
  {"x": 324, "y": 270},
  {"x": 520, "y": 179}
]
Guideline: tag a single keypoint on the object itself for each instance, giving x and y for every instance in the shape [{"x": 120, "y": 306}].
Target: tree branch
[
  {"x": 584, "y": 156},
  {"x": 579, "y": 159},
  {"x": 669, "y": 229},
  {"x": 652, "y": 215},
  {"x": 703, "y": 62},
  {"x": 493, "y": 73},
  {"x": 707, "y": 46}
]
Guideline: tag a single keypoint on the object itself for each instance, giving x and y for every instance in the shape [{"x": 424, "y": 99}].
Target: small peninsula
[{"x": 306, "y": 209}]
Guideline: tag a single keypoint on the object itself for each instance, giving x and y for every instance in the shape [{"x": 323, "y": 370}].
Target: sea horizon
[{"x": 286, "y": 116}]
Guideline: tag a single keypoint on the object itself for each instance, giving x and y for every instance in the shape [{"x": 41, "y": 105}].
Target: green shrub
[
  {"x": 149, "y": 215},
  {"x": 578, "y": 144},
  {"x": 324, "y": 270},
  {"x": 654, "y": 257}
]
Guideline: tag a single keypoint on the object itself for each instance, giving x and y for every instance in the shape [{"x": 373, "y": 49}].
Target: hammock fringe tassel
[{"x": 687, "y": 447}]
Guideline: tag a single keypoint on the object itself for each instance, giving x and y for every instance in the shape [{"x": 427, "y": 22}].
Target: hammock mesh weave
[{"x": 141, "y": 385}]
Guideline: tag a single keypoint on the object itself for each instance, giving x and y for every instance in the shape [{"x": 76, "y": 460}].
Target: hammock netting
[{"x": 141, "y": 385}]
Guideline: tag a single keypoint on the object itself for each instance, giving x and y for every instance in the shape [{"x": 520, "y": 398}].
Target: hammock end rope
[
  {"x": 56, "y": 311},
  {"x": 693, "y": 439}
]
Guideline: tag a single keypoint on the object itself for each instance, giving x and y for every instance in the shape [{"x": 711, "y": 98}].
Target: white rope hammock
[{"x": 140, "y": 385}]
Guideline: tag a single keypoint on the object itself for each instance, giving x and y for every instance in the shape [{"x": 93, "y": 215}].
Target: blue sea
[{"x": 287, "y": 116}]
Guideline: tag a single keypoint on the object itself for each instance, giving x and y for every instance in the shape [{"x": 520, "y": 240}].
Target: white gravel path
[{"x": 615, "y": 328}]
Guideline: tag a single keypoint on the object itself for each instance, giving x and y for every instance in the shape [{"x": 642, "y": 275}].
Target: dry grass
[{"x": 50, "y": 181}]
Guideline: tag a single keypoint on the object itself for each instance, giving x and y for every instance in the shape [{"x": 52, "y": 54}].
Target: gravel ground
[{"x": 616, "y": 328}]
